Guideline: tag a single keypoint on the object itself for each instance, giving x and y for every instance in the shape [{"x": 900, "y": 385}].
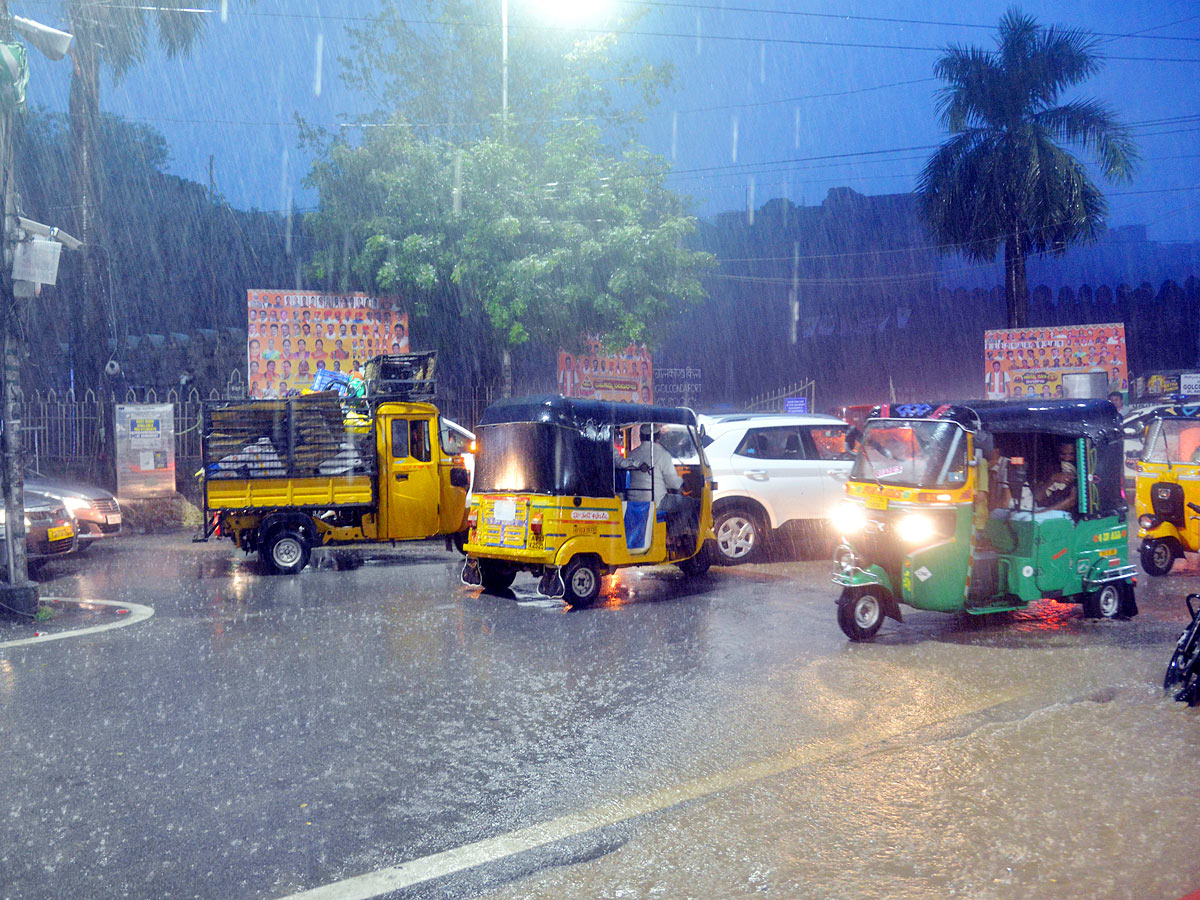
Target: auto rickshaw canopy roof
[
  {"x": 572, "y": 412},
  {"x": 1094, "y": 419}
]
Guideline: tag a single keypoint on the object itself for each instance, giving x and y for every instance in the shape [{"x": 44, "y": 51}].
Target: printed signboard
[
  {"x": 599, "y": 374},
  {"x": 1031, "y": 362},
  {"x": 292, "y": 335},
  {"x": 145, "y": 435}
]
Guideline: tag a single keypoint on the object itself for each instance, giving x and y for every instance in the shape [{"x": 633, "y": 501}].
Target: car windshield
[
  {"x": 531, "y": 457},
  {"x": 911, "y": 453},
  {"x": 1172, "y": 441}
]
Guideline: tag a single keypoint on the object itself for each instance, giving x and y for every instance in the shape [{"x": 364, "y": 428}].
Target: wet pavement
[{"x": 260, "y": 736}]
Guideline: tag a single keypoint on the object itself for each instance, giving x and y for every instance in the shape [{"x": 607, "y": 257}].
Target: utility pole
[{"x": 17, "y": 593}]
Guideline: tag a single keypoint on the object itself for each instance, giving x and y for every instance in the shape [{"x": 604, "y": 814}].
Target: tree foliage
[
  {"x": 1004, "y": 177},
  {"x": 541, "y": 228}
]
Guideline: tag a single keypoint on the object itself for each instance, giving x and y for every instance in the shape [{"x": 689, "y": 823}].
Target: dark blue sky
[{"x": 771, "y": 98}]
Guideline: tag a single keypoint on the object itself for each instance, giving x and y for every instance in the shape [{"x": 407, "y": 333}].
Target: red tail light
[
  {"x": 535, "y": 524},
  {"x": 472, "y": 518}
]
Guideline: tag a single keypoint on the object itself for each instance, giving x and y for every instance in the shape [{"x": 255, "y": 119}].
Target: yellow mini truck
[
  {"x": 567, "y": 489},
  {"x": 284, "y": 476}
]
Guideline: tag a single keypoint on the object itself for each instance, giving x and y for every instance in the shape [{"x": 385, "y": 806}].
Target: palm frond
[{"x": 1093, "y": 126}]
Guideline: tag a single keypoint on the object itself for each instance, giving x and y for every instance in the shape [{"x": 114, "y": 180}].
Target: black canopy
[
  {"x": 1095, "y": 419},
  {"x": 570, "y": 412}
]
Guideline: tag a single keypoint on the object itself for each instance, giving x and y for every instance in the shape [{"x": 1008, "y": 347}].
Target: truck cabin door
[{"x": 411, "y": 473}]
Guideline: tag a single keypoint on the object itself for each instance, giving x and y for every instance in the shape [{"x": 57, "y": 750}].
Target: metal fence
[
  {"x": 774, "y": 401},
  {"x": 64, "y": 434}
]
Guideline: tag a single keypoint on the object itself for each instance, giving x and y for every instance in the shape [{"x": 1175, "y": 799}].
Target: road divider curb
[{"x": 137, "y": 613}]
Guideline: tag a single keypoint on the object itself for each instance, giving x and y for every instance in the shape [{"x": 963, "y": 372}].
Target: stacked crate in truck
[{"x": 310, "y": 452}]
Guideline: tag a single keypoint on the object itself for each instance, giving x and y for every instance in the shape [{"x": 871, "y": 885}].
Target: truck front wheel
[{"x": 285, "y": 552}]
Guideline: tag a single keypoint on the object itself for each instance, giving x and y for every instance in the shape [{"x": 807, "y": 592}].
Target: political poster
[
  {"x": 599, "y": 374},
  {"x": 1031, "y": 362},
  {"x": 291, "y": 335}
]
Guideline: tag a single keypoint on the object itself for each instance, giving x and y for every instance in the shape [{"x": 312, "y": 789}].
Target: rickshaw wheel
[
  {"x": 696, "y": 566},
  {"x": 1105, "y": 603},
  {"x": 496, "y": 576},
  {"x": 581, "y": 578},
  {"x": 860, "y": 613},
  {"x": 1157, "y": 557},
  {"x": 1186, "y": 656},
  {"x": 1190, "y": 692}
]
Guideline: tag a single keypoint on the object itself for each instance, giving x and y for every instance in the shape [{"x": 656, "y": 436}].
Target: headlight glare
[
  {"x": 915, "y": 528},
  {"x": 1146, "y": 521},
  {"x": 848, "y": 518},
  {"x": 76, "y": 504}
]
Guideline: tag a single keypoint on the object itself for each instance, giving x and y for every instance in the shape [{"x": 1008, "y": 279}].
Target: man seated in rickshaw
[
  {"x": 1060, "y": 490},
  {"x": 653, "y": 478}
]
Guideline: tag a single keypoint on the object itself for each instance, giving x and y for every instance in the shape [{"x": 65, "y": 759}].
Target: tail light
[
  {"x": 473, "y": 517},
  {"x": 535, "y": 524}
]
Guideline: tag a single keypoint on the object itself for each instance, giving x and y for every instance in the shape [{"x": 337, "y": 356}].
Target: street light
[{"x": 573, "y": 12}]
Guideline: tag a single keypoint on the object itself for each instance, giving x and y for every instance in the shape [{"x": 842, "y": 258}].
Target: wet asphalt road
[{"x": 260, "y": 736}]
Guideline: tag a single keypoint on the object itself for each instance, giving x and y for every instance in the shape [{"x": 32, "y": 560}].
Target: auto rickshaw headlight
[
  {"x": 1146, "y": 521},
  {"x": 848, "y": 518},
  {"x": 915, "y": 528}
]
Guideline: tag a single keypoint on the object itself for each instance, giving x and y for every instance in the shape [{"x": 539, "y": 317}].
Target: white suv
[{"x": 772, "y": 469}]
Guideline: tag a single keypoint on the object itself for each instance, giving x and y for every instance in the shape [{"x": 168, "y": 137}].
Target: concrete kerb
[{"x": 135, "y": 612}]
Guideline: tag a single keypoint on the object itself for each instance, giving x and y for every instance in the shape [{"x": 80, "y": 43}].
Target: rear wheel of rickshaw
[
  {"x": 1105, "y": 603},
  {"x": 860, "y": 613},
  {"x": 285, "y": 552},
  {"x": 1157, "y": 557},
  {"x": 581, "y": 580},
  {"x": 698, "y": 565},
  {"x": 496, "y": 576}
]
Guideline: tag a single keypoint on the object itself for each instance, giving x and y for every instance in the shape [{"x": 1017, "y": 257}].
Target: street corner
[{"x": 59, "y": 618}]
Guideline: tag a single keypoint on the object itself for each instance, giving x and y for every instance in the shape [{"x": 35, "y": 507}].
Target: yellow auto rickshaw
[
  {"x": 564, "y": 490},
  {"x": 1168, "y": 488}
]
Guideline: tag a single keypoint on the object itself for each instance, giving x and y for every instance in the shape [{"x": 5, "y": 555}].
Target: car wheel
[
  {"x": 860, "y": 613},
  {"x": 1157, "y": 557},
  {"x": 581, "y": 578},
  {"x": 1105, "y": 603},
  {"x": 286, "y": 552},
  {"x": 739, "y": 535},
  {"x": 496, "y": 576}
]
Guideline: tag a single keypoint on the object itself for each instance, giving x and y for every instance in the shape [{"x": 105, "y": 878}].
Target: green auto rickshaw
[{"x": 985, "y": 507}]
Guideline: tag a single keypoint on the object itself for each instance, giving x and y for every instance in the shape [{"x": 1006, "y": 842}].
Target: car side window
[
  {"x": 772, "y": 443},
  {"x": 399, "y": 438},
  {"x": 829, "y": 442}
]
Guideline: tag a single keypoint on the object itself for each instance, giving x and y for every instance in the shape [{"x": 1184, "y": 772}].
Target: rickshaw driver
[
  {"x": 652, "y": 477},
  {"x": 1059, "y": 491}
]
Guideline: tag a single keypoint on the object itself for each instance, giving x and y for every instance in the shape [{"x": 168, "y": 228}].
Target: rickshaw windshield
[
  {"x": 912, "y": 453},
  {"x": 537, "y": 458},
  {"x": 1172, "y": 441}
]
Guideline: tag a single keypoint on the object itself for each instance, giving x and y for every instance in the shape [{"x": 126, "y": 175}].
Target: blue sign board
[{"x": 795, "y": 404}]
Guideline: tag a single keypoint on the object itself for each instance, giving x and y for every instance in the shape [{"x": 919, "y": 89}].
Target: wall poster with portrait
[
  {"x": 599, "y": 374},
  {"x": 291, "y": 335},
  {"x": 1031, "y": 362}
]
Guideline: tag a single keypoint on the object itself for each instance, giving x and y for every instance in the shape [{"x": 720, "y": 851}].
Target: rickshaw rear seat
[{"x": 638, "y": 516}]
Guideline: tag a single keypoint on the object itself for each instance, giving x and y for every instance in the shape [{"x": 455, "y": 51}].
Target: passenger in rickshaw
[
  {"x": 653, "y": 479},
  {"x": 991, "y": 492},
  {"x": 1059, "y": 491}
]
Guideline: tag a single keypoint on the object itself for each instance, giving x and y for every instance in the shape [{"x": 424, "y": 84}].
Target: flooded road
[{"x": 378, "y": 725}]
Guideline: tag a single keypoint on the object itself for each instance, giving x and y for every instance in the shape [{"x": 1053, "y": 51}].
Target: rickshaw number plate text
[{"x": 875, "y": 501}]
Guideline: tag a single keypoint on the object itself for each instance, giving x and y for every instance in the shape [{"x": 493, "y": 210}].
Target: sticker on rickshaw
[
  {"x": 923, "y": 574},
  {"x": 889, "y": 471},
  {"x": 589, "y": 515},
  {"x": 504, "y": 510}
]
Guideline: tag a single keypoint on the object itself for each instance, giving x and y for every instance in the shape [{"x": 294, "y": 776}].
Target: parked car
[
  {"x": 770, "y": 470},
  {"x": 49, "y": 530},
  {"x": 96, "y": 511}
]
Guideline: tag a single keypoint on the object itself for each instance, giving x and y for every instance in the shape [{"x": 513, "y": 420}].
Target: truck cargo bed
[{"x": 310, "y": 451}]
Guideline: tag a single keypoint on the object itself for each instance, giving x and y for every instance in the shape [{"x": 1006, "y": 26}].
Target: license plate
[
  {"x": 59, "y": 532},
  {"x": 876, "y": 501},
  {"x": 504, "y": 511},
  {"x": 112, "y": 520}
]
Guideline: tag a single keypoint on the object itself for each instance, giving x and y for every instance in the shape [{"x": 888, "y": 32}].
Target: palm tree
[
  {"x": 1003, "y": 176},
  {"x": 114, "y": 35}
]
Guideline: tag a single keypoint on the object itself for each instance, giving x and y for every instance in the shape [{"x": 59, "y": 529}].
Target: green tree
[
  {"x": 1004, "y": 177},
  {"x": 112, "y": 35},
  {"x": 539, "y": 229}
]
